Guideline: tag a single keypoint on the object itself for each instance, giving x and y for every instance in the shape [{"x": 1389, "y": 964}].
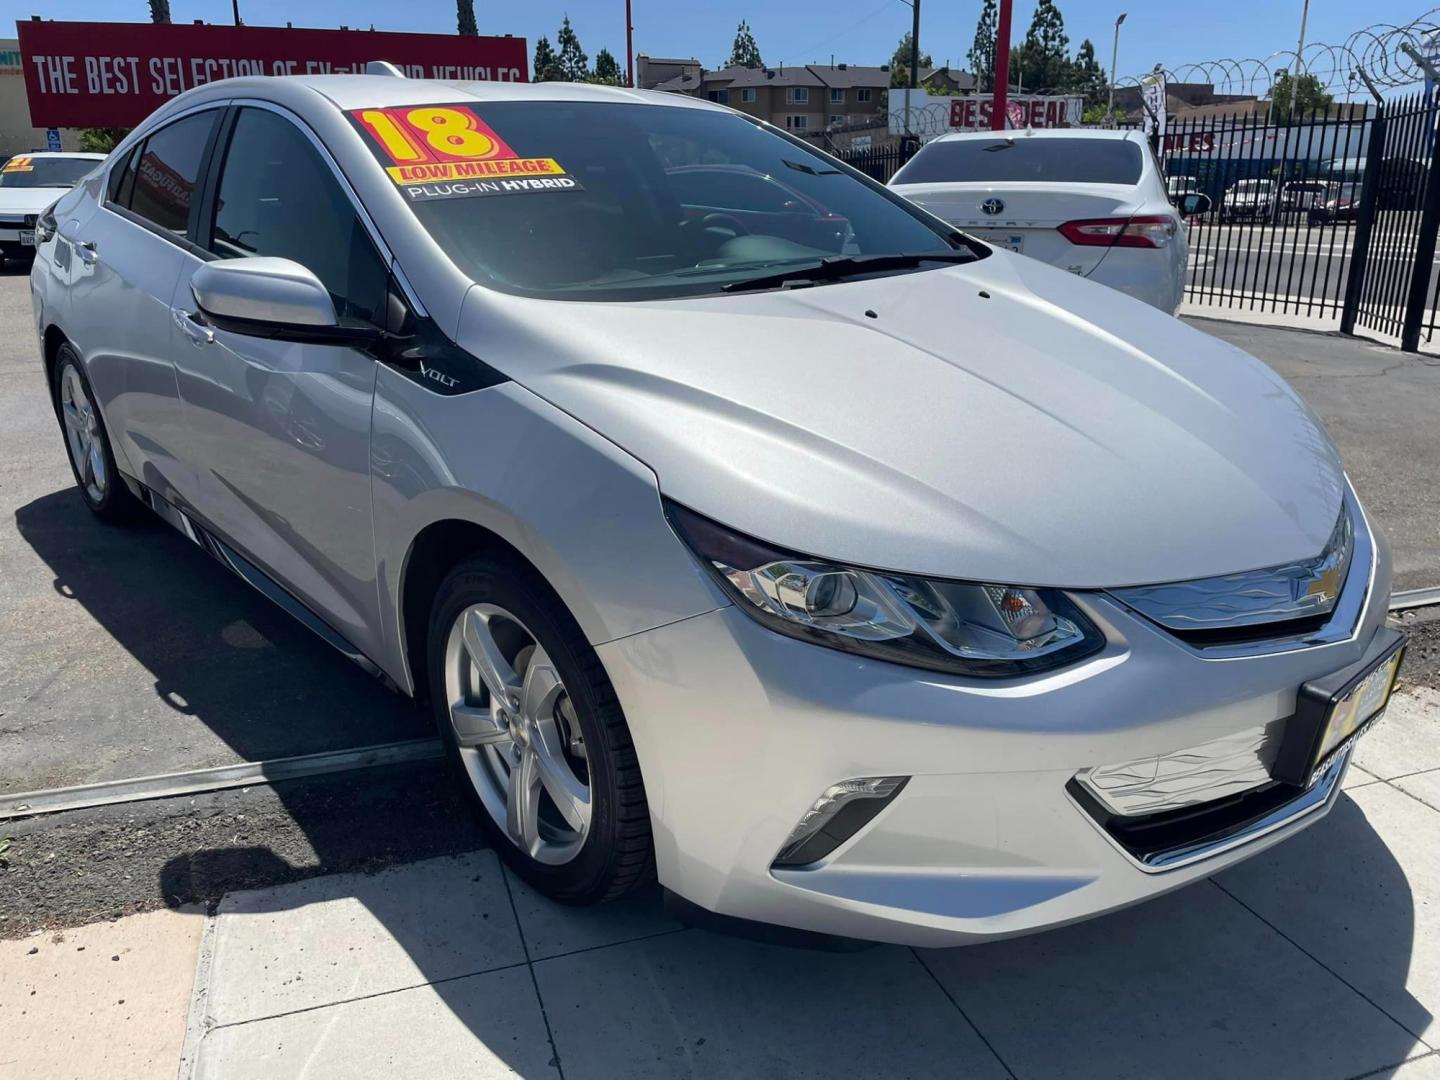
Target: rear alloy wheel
[
  {"x": 91, "y": 459},
  {"x": 529, "y": 716}
]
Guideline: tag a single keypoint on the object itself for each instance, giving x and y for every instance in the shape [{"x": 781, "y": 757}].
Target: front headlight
[
  {"x": 956, "y": 627},
  {"x": 45, "y": 227}
]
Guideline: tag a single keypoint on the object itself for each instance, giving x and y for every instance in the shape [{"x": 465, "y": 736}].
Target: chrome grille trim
[
  {"x": 1229, "y": 765},
  {"x": 1344, "y": 616},
  {"x": 1295, "y": 590}
]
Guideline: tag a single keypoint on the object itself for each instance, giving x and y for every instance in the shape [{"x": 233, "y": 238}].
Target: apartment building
[{"x": 807, "y": 99}]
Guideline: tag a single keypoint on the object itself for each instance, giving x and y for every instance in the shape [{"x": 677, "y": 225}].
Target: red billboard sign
[{"x": 80, "y": 74}]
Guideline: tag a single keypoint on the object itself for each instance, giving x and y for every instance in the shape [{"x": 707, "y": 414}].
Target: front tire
[
  {"x": 88, "y": 443},
  {"x": 529, "y": 718}
]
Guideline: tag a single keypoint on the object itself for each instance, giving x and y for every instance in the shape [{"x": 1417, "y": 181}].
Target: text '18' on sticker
[{"x": 448, "y": 152}]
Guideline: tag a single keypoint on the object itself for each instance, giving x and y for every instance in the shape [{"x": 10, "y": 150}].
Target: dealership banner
[
  {"x": 92, "y": 74},
  {"x": 930, "y": 114},
  {"x": 1152, "y": 98}
]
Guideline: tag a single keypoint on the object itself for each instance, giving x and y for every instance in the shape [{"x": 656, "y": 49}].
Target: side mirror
[
  {"x": 1194, "y": 203},
  {"x": 272, "y": 298}
]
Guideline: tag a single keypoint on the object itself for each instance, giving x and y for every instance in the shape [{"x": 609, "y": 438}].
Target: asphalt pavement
[{"x": 128, "y": 652}]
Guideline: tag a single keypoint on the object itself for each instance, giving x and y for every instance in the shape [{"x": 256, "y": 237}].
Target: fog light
[{"x": 838, "y": 814}]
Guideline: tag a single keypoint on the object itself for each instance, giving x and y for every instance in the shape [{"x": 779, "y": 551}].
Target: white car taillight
[{"x": 1135, "y": 232}]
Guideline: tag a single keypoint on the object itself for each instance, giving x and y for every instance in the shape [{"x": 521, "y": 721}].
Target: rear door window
[
  {"x": 167, "y": 171},
  {"x": 1024, "y": 160}
]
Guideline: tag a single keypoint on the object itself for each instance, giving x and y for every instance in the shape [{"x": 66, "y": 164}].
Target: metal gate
[{"x": 1328, "y": 216}]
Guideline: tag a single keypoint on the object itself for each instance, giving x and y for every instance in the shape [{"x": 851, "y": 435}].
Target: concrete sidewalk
[
  {"x": 1317, "y": 959},
  {"x": 1382, "y": 408}
]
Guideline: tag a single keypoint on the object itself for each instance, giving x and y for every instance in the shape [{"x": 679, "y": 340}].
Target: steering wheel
[{"x": 724, "y": 221}]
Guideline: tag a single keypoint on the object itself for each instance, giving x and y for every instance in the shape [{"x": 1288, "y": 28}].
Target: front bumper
[{"x": 739, "y": 729}]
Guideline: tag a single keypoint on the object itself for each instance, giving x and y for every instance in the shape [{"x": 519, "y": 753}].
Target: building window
[
  {"x": 837, "y": 96},
  {"x": 747, "y": 94},
  {"x": 800, "y": 122},
  {"x": 797, "y": 95},
  {"x": 720, "y": 97},
  {"x": 838, "y": 120},
  {"x": 862, "y": 94}
]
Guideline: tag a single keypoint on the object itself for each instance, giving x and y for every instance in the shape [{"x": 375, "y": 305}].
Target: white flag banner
[{"x": 1152, "y": 93}]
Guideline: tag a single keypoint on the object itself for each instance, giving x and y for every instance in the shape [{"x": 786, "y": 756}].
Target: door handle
[
  {"x": 70, "y": 233},
  {"x": 195, "y": 330}
]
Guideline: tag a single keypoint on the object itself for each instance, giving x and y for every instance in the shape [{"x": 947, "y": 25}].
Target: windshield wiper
[
  {"x": 839, "y": 267},
  {"x": 800, "y": 166}
]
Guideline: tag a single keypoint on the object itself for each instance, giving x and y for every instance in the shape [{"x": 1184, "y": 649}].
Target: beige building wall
[{"x": 17, "y": 135}]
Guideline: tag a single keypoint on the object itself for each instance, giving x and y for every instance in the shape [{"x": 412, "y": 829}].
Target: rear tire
[
  {"x": 87, "y": 443},
  {"x": 554, "y": 729}
]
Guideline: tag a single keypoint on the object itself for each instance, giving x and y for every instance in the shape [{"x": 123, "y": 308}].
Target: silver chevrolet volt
[{"x": 744, "y": 525}]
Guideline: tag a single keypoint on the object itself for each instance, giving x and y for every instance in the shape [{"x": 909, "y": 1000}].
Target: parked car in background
[
  {"x": 1248, "y": 200},
  {"x": 1300, "y": 195},
  {"x": 1341, "y": 202},
  {"x": 28, "y": 184},
  {"x": 1177, "y": 187},
  {"x": 923, "y": 593},
  {"x": 1088, "y": 201}
]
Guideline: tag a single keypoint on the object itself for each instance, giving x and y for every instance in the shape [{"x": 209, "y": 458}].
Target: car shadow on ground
[
  {"x": 223, "y": 659},
  {"x": 1217, "y": 979}
]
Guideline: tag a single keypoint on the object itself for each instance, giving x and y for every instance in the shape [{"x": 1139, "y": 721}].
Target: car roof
[
  {"x": 349, "y": 92},
  {"x": 1043, "y": 133},
  {"x": 79, "y": 155}
]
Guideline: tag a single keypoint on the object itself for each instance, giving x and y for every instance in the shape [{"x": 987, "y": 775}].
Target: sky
[{"x": 810, "y": 31}]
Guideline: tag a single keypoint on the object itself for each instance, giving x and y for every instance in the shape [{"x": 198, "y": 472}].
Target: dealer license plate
[
  {"x": 1008, "y": 241},
  {"x": 27, "y": 237},
  {"x": 1357, "y": 708}
]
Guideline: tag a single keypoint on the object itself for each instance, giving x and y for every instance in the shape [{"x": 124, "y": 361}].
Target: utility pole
[
  {"x": 630, "y": 46},
  {"x": 1114, "y": 58},
  {"x": 914, "y": 62},
  {"x": 235, "y": 7},
  {"x": 1300, "y": 48},
  {"x": 1001, "y": 97}
]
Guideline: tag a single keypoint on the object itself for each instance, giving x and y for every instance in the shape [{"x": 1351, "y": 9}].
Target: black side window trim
[{"x": 203, "y": 224}]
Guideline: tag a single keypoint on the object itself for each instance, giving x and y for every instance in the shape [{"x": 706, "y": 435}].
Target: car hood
[
  {"x": 28, "y": 200},
  {"x": 967, "y": 422}
]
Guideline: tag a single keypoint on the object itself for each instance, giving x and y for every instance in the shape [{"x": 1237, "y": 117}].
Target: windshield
[
  {"x": 653, "y": 202},
  {"x": 1022, "y": 159},
  {"x": 34, "y": 172}
]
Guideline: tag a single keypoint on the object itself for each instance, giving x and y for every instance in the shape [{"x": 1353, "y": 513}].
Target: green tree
[
  {"x": 1087, "y": 76},
  {"x": 574, "y": 64},
  {"x": 900, "y": 62},
  {"x": 465, "y": 18},
  {"x": 1045, "y": 56},
  {"x": 101, "y": 140},
  {"x": 982, "y": 52},
  {"x": 607, "y": 69},
  {"x": 744, "y": 52},
  {"x": 547, "y": 64},
  {"x": 159, "y": 11},
  {"x": 1300, "y": 96}
]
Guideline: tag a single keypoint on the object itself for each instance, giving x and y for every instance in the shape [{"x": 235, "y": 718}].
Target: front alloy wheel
[
  {"x": 528, "y": 714},
  {"x": 519, "y": 739}
]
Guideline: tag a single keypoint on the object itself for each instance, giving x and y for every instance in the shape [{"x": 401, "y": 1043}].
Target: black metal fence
[
  {"x": 1329, "y": 216},
  {"x": 1319, "y": 215},
  {"x": 881, "y": 163}
]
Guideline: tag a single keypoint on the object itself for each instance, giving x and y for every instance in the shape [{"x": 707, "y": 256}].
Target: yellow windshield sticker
[{"x": 447, "y": 151}]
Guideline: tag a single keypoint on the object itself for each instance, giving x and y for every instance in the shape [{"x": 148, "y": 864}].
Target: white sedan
[
  {"x": 28, "y": 184},
  {"x": 1090, "y": 202}
]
